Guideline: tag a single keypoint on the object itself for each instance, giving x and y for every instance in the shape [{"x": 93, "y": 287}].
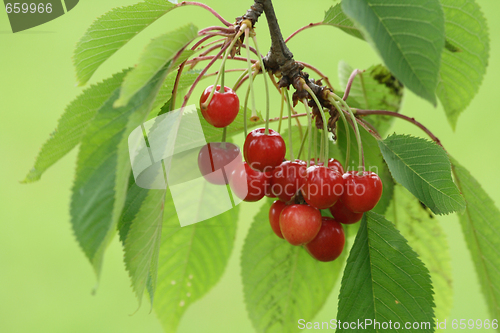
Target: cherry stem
[
  {"x": 309, "y": 126},
  {"x": 246, "y": 104},
  {"x": 347, "y": 130},
  {"x": 193, "y": 3},
  {"x": 280, "y": 118},
  {"x": 200, "y": 76},
  {"x": 302, "y": 142},
  {"x": 324, "y": 157},
  {"x": 361, "y": 158},
  {"x": 247, "y": 37},
  {"x": 412, "y": 120},
  {"x": 310, "y": 25},
  {"x": 240, "y": 79},
  {"x": 315, "y": 145},
  {"x": 317, "y": 71},
  {"x": 263, "y": 68},
  {"x": 224, "y": 134},
  {"x": 289, "y": 123},
  {"x": 350, "y": 81},
  {"x": 221, "y": 70},
  {"x": 299, "y": 125}
]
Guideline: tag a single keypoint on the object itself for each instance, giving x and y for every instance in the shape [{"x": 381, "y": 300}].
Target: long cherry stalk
[
  {"x": 310, "y": 25},
  {"x": 202, "y": 5},
  {"x": 412, "y": 120}
]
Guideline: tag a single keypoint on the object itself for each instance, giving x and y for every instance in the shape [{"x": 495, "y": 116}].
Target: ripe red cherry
[
  {"x": 299, "y": 224},
  {"x": 215, "y": 157},
  {"x": 332, "y": 164},
  {"x": 343, "y": 215},
  {"x": 329, "y": 242},
  {"x": 274, "y": 216},
  {"x": 248, "y": 184},
  {"x": 264, "y": 152},
  {"x": 222, "y": 109},
  {"x": 323, "y": 186},
  {"x": 288, "y": 178},
  {"x": 361, "y": 193}
]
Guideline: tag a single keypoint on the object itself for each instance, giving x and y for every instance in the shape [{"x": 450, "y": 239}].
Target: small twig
[
  {"x": 349, "y": 83},
  {"x": 185, "y": 3},
  {"x": 217, "y": 28},
  {"x": 204, "y": 39},
  {"x": 412, "y": 120},
  {"x": 310, "y": 25},
  {"x": 210, "y": 49},
  {"x": 222, "y": 34}
]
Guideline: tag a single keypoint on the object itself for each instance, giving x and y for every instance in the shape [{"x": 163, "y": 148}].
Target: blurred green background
[{"x": 45, "y": 280}]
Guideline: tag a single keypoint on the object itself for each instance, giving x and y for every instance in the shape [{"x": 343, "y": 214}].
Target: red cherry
[
  {"x": 361, "y": 193},
  {"x": 299, "y": 224},
  {"x": 288, "y": 178},
  {"x": 343, "y": 215},
  {"x": 264, "y": 152},
  {"x": 274, "y": 216},
  {"x": 248, "y": 184},
  {"x": 222, "y": 109},
  {"x": 323, "y": 186},
  {"x": 329, "y": 242},
  {"x": 332, "y": 164},
  {"x": 215, "y": 156}
]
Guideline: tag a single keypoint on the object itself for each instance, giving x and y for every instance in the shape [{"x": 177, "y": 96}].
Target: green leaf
[
  {"x": 409, "y": 36},
  {"x": 373, "y": 162},
  {"x": 135, "y": 198},
  {"x": 464, "y": 62},
  {"x": 80, "y": 113},
  {"x": 281, "y": 282},
  {"x": 375, "y": 89},
  {"x": 427, "y": 238},
  {"x": 157, "y": 54},
  {"x": 424, "y": 169},
  {"x": 142, "y": 244},
  {"x": 336, "y": 18},
  {"x": 113, "y": 30},
  {"x": 191, "y": 261},
  {"x": 73, "y": 124},
  {"x": 481, "y": 226},
  {"x": 103, "y": 170},
  {"x": 185, "y": 81},
  {"x": 384, "y": 280}
]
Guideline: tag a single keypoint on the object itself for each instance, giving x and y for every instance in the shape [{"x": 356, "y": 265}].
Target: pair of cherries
[{"x": 323, "y": 237}]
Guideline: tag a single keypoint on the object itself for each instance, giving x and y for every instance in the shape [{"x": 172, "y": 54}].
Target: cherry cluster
[{"x": 302, "y": 191}]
